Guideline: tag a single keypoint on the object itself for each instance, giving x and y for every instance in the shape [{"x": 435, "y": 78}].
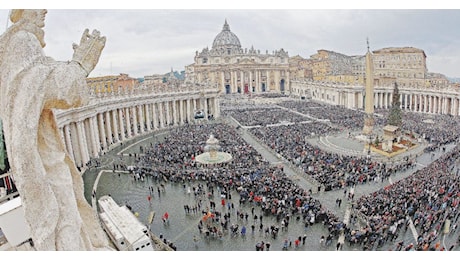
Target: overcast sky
[{"x": 150, "y": 41}]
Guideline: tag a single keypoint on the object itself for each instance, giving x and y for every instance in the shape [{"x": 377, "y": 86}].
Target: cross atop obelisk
[{"x": 369, "y": 94}]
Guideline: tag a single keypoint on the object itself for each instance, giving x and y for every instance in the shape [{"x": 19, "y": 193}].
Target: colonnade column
[
  {"x": 235, "y": 81},
  {"x": 268, "y": 81},
  {"x": 161, "y": 113},
  {"x": 205, "y": 101},
  {"x": 250, "y": 81},
  {"x": 376, "y": 100},
  {"x": 82, "y": 143},
  {"x": 430, "y": 104},
  {"x": 140, "y": 111},
  {"x": 222, "y": 81},
  {"x": 108, "y": 128},
  {"x": 102, "y": 136},
  {"x": 155, "y": 116},
  {"x": 277, "y": 80},
  {"x": 456, "y": 109},
  {"x": 439, "y": 103},
  {"x": 405, "y": 101},
  {"x": 95, "y": 131},
  {"x": 128, "y": 122},
  {"x": 115, "y": 126},
  {"x": 181, "y": 112},
  {"x": 89, "y": 136},
  {"x": 68, "y": 141},
  {"x": 425, "y": 104},
  {"x": 189, "y": 113},
  {"x": 121, "y": 124},
  {"x": 410, "y": 102},
  {"x": 444, "y": 104},
  {"x": 257, "y": 81},
  {"x": 384, "y": 99},
  {"x": 135, "y": 122},
  {"x": 174, "y": 105},
  {"x": 147, "y": 117},
  {"x": 242, "y": 81},
  {"x": 168, "y": 113},
  {"x": 435, "y": 104},
  {"x": 453, "y": 107},
  {"x": 194, "y": 104}
]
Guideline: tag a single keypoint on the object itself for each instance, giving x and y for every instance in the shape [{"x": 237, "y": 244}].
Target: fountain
[{"x": 212, "y": 155}]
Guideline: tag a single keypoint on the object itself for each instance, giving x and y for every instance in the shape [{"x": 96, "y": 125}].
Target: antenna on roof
[{"x": 367, "y": 41}]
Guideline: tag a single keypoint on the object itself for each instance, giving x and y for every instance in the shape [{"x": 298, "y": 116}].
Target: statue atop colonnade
[{"x": 32, "y": 85}]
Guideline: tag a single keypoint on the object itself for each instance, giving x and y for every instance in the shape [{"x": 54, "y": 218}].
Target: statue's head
[
  {"x": 32, "y": 20},
  {"x": 34, "y": 16}
]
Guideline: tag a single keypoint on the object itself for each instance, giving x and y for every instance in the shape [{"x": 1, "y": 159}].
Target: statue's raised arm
[{"x": 88, "y": 52}]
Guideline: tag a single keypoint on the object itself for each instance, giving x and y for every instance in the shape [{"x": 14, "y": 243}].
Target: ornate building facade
[{"x": 232, "y": 69}]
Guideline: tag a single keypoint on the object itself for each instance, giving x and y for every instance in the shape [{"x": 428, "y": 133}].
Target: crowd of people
[
  {"x": 338, "y": 116},
  {"x": 331, "y": 170},
  {"x": 264, "y": 116},
  {"x": 259, "y": 185},
  {"x": 426, "y": 199}
]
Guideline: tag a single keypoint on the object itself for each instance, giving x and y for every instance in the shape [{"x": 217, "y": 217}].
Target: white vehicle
[{"x": 124, "y": 229}]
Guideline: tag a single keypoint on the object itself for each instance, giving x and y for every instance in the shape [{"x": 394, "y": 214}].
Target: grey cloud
[{"x": 144, "y": 42}]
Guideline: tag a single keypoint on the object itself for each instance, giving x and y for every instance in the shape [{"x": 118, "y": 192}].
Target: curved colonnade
[
  {"x": 90, "y": 131},
  {"x": 423, "y": 100}
]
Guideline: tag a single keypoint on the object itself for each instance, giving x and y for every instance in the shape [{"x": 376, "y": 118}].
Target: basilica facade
[{"x": 232, "y": 69}]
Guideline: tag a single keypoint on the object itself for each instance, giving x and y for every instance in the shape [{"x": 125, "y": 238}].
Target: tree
[{"x": 395, "y": 115}]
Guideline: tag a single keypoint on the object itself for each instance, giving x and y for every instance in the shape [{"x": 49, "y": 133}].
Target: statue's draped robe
[{"x": 50, "y": 186}]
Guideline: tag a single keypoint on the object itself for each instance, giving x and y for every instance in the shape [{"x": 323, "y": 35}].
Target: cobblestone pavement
[{"x": 182, "y": 228}]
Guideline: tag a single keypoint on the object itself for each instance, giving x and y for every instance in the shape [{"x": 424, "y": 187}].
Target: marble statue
[{"x": 32, "y": 85}]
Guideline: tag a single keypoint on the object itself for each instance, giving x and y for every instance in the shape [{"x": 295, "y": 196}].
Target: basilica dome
[{"x": 226, "y": 39}]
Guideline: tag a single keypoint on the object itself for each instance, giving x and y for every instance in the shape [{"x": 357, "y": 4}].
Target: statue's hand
[{"x": 88, "y": 52}]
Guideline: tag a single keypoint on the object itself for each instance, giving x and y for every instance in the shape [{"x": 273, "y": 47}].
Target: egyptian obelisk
[{"x": 369, "y": 94}]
